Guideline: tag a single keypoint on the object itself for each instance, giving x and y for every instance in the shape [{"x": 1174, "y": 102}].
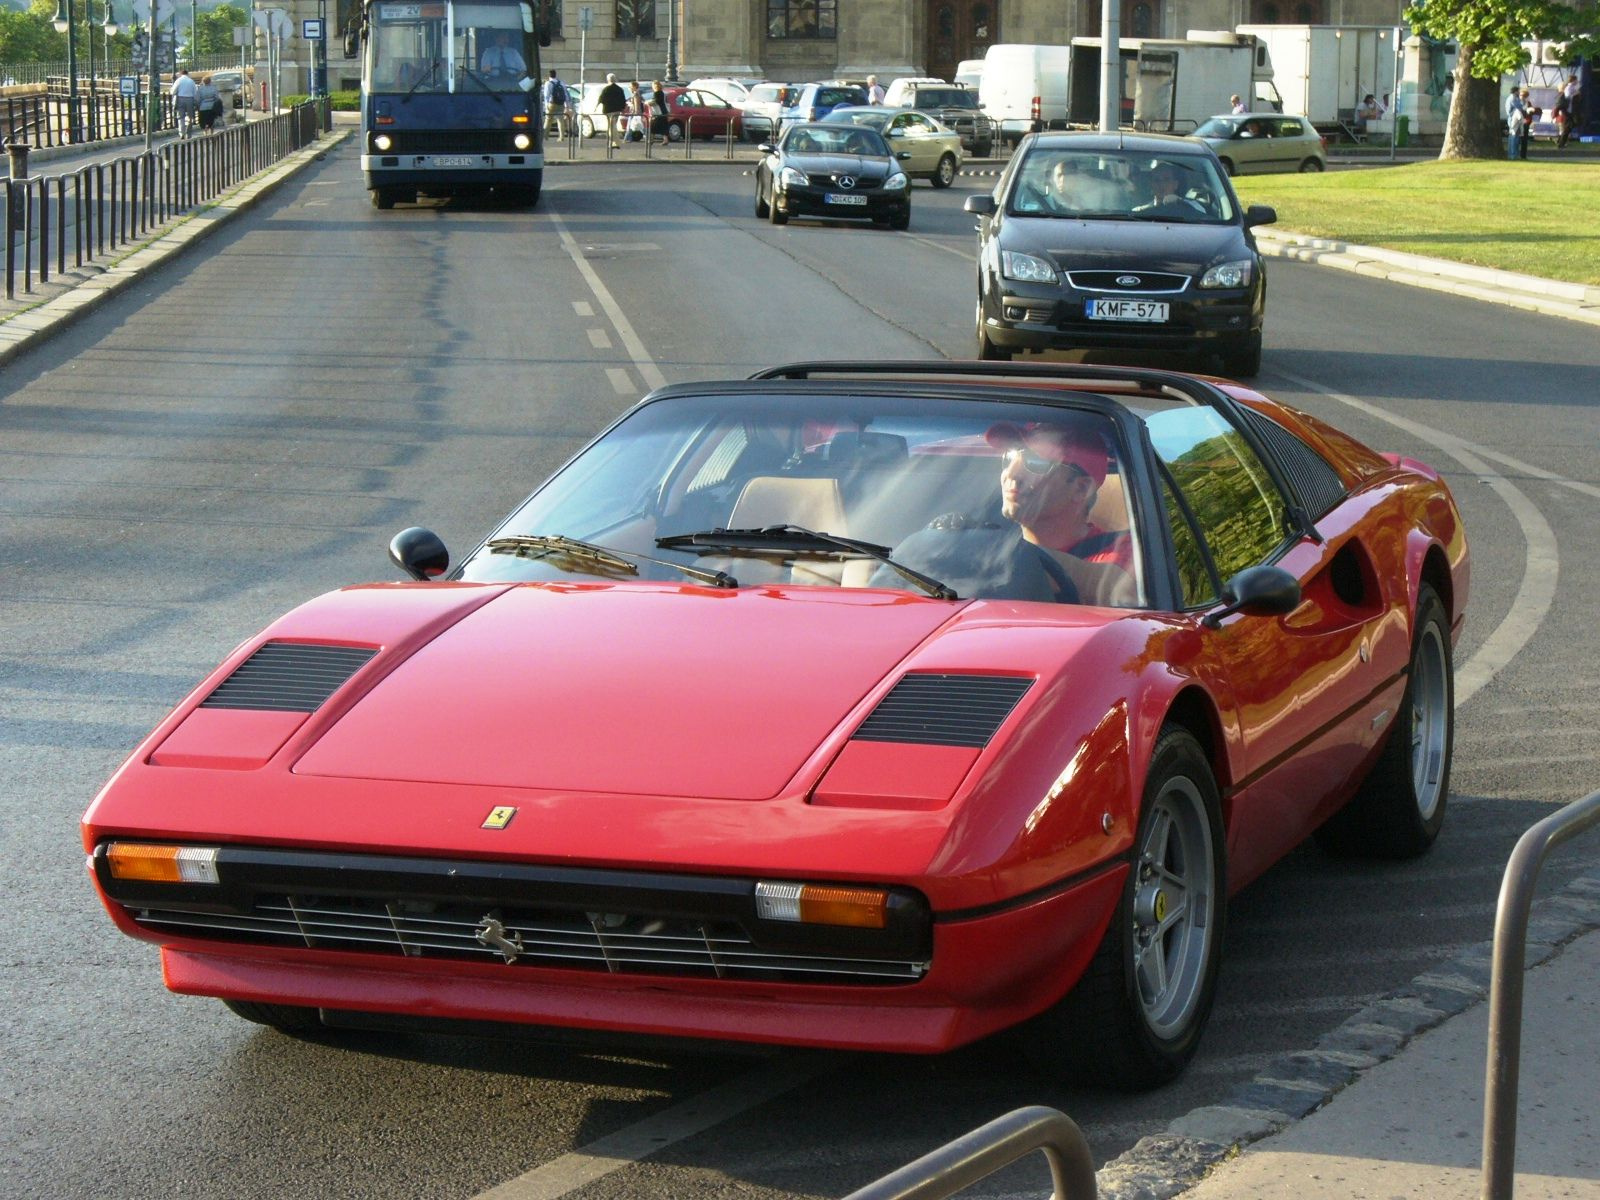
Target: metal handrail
[
  {"x": 1505, "y": 988},
  {"x": 981, "y": 1153}
]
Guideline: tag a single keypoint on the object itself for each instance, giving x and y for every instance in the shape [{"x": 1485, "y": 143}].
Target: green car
[{"x": 1256, "y": 143}]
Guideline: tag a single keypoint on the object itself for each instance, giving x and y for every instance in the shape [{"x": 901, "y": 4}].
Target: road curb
[
  {"x": 27, "y": 327},
  {"x": 1296, "y": 1084},
  {"x": 1553, "y": 298}
]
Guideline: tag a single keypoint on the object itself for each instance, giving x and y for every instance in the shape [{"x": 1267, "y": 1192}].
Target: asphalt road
[{"x": 249, "y": 426}]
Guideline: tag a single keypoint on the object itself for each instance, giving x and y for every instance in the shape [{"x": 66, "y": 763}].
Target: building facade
[{"x": 799, "y": 40}]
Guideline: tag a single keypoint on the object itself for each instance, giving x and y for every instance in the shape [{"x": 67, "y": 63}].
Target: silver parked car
[{"x": 1255, "y": 143}]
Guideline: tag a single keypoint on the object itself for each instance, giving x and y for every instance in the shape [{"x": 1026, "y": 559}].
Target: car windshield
[
  {"x": 1218, "y": 127},
  {"x": 834, "y": 139},
  {"x": 869, "y": 118},
  {"x": 1116, "y": 184},
  {"x": 822, "y": 487},
  {"x": 945, "y": 98}
]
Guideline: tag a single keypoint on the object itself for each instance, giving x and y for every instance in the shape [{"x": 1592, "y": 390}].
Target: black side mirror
[
  {"x": 1260, "y": 214},
  {"x": 982, "y": 204},
  {"x": 419, "y": 553},
  {"x": 352, "y": 42},
  {"x": 1257, "y": 592}
]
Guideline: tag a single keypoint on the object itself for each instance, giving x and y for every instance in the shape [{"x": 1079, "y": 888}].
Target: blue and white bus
[{"x": 450, "y": 98}]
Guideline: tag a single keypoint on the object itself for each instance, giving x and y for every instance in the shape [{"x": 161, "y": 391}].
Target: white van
[
  {"x": 969, "y": 73},
  {"x": 1024, "y": 88}
]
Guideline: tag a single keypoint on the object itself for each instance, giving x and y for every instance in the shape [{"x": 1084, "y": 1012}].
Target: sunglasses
[{"x": 1038, "y": 464}]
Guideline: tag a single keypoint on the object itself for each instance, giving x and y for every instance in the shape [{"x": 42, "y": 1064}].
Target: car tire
[
  {"x": 587, "y": 127},
  {"x": 945, "y": 173},
  {"x": 983, "y": 151},
  {"x": 987, "y": 350},
  {"x": 1147, "y": 993},
  {"x": 384, "y": 197},
  {"x": 1227, "y": 165},
  {"x": 1242, "y": 359},
  {"x": 287, "y": 1018},
  {"x": 674, "y": 131},
  {"x": 775, "y": 214},
  {"x": 1399, "y": 808},
  {"x": 1311, "y": 165},
  {"x": 761, "y": 204},
  {"x": 901, "y": 220}
]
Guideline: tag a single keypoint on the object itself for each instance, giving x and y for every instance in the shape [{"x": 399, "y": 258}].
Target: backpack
[{"x": 558, "y": 94}]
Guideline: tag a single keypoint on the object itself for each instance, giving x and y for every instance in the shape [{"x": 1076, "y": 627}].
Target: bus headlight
[
  {"x": 382, "y": 143},
  {"x": 522, "y": 141}
]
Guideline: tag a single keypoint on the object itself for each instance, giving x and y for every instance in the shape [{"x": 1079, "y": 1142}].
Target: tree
[
  {"x": 1488, "y": 35},
  {"x": 215, "y": 32},
  {"x": 29, "y": 36}
]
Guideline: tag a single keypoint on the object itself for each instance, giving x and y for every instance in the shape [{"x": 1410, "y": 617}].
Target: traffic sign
[
  {"x": 128, "y": 85},
  {"x": 585, "y": 18},
  {"x": 311, "y": 29}
]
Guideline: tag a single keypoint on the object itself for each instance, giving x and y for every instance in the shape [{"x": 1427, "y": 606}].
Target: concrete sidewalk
[{"x": 1389, "y": 1106}]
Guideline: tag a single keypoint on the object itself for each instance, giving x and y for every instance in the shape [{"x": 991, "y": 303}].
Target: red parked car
[
  {"x": 882, "y": 706},
  {"x": 702, "y": 114}
]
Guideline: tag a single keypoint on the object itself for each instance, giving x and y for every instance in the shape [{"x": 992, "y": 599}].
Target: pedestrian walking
[
  {"x": 209, "y": 101},
  {"x": 613, "y": 100},
  {"x": 1236, "y": 105},
  {"x": 554, "y": 97},
  {"x": 875, "y": 90},
  {"x": 658, "y": 111},
  {"x": 1566, "y": 110},
  {"x": 185, "y": 102}
]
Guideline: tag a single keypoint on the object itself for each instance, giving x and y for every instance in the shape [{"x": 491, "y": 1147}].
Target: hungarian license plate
[
  {"x": 453, "y": 160},
  {"x": 837, "y": 198},
  {"x": 1127, "y": 310}
]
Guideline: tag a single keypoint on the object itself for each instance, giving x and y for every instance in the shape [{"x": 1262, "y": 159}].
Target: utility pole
[{"x": 672, "y": 41}]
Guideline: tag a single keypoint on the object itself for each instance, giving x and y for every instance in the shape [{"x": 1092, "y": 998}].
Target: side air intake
[
  {"x": 944, "y": 710},
  {"x": 288, "y": 677}
]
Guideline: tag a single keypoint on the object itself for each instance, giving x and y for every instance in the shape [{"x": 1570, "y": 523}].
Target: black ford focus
[
  {"x": 1122, "y": 241},
  {"x": 819, "y": 170}
]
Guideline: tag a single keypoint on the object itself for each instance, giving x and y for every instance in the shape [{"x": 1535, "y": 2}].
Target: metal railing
[
  {"x": 1506, "y": 984},
  {"x": 101, "y": 208},
  {"x": 43, "y": 120},
  {"x": 571, "y": 136},
  {"x": 981, "y": 1153}
]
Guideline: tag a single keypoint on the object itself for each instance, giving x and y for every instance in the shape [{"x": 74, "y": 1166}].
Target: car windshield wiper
[
  {"x": 481, "y": 82},
  {"x": 798, "y": 538},
  {"x": 430, "y": 77},
  {"x": 536, "y": 545}
]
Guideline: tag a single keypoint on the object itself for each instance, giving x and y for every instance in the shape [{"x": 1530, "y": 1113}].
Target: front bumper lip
[
  {"x": 810, "y": 202},
  {"x": 1197, "y": 319}
]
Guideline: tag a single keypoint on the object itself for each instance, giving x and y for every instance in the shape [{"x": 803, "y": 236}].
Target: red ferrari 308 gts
[{"x": 882, "y": 706}]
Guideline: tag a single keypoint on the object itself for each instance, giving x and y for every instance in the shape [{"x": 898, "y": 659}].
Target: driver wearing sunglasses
[{"x": 1050, "y": 479}]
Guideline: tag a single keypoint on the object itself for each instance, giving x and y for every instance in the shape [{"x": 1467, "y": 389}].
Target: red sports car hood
[{"x": 633, "y": 689}]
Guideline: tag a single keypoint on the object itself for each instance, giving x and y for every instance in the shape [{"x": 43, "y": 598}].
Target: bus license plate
[
  {"x": 1127, "y": 310},
  {"x": 452, "y": 160},
  {"x": 836, "y": 198}
]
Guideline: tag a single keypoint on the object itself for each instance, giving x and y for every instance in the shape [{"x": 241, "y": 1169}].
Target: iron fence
[{"x": 97, "y": 210}]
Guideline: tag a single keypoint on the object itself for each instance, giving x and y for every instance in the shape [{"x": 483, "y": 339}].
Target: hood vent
[
  {"x": 288, "y": 677},
  {"x": 944, "y": 710}
]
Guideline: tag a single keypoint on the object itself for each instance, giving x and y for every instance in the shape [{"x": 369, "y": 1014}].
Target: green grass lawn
[{"x": 1536, "y": 217}]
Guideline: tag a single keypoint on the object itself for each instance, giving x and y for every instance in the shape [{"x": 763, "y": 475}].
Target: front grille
[
  {"x": 518, "y": 915},
  {"x": 944, "y": 710},
  {"x": 620, "y": 944},
  {"x": 451, "y": 141},
  {"x": 1142, "y": 282}
]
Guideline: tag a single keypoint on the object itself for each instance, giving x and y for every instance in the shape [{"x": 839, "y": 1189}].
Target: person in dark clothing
[
  {"x": 658, "y": 110},
  {"x": 612, "y": 101}
]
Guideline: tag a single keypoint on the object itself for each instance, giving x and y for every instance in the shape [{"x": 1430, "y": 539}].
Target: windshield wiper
[
  {"x": 481, "y": 82},
  {"x": 536, "y": 545},
  {"x": 799, "y": 538},
  {"x": 430, "y": 77}
]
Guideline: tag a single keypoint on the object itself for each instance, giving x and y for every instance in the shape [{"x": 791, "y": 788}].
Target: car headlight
[
  {"x": 522, "y": 141},
  {"x": 1026, "y": 267},
  {"x": 1228, "y": 275},
  {"x": 381, "y": 143},
  {"x": 790, "y": 177},
  {"x": 896, "y": 182}
]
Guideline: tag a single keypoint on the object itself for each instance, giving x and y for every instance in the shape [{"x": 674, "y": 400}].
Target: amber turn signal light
[{"x": 139, "y": 862}]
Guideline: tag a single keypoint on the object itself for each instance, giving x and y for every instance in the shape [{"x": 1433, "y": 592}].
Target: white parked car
[{"x": 734, "y": 91}]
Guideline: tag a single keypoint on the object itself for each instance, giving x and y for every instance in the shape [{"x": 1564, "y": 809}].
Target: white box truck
[
  {"x": 1171, "y": 85},
  {"x": 1324, "y": 71}
]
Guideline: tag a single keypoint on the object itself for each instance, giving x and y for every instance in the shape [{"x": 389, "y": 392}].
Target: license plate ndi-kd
[
  {"x": 836, "y": 198},
  {"x": 1127, "y": 310}
]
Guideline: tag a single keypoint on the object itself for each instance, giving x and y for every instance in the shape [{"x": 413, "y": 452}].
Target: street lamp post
[
  {"x": 109, "y": 28},
  {"x": 672, "y": 41},
  {"x": 64, "y": 23},
  {"x": 194, "y": 30}
]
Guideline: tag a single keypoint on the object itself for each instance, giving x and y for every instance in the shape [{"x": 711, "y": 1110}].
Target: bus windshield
[{"x": 432, "y": 46}]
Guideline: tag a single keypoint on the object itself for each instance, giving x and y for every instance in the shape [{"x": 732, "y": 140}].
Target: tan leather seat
[
  {"x": 811, "y": 503},
  {"x": 1110, "y": 511}
]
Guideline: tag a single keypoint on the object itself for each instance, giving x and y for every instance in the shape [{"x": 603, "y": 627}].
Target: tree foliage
[
  {"x": 1489, "y": 37},
  {"x": 215, "y": 32}
]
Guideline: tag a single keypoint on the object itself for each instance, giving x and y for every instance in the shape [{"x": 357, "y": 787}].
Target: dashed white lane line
[
  {"x": 1541, "y": 562},
  {"x": 583, "y": 308},
  {"x": 621, "y": 381},
  {"x": 642, "y": 361},
  {"x": 638, "y": 1141},
  {"x": 599, "y": 339}
]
